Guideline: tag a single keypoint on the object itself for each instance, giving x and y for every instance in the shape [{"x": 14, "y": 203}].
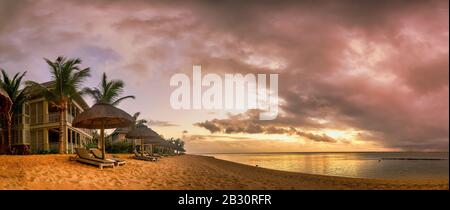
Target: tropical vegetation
[
  {"x": 108, "y": 92},
  {"x": 66, "y": 86},
  {"x": 13, "y": 87}
]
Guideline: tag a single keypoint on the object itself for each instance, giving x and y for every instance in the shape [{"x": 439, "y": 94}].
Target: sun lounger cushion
[
  {"x": 85, "y": 157},
  {"x": 140, "y": 157},
  {"x": 97, "y": 154}
]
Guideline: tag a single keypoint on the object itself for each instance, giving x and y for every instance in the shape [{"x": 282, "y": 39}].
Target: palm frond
[
  {"x": 116, "y": 102},
  {"x": 136, "y": 115},
  {"x": 67, "y": 79},
  {"x": 13, "y": 89},
  {"x": 108, "y": 91},
  {"x": 93, "y": 93}
]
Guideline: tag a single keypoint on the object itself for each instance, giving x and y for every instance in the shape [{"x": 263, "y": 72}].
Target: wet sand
[{"x": 187, "y": 172}]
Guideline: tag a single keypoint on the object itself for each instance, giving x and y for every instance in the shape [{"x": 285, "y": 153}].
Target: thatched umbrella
[
  {"x": 5, "y": 101},
  {"x": 166, "y": 144},
  {"x": 153, "y": 140},
  {"x": 103, "y": 116},
  {"x": 144, "y": 133}
]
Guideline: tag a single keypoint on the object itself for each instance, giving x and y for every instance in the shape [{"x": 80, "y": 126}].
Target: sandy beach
[{"x": 187, "y": 172}]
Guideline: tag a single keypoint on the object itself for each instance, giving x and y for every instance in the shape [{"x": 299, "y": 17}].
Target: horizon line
[{"x": 227, "y": 153}]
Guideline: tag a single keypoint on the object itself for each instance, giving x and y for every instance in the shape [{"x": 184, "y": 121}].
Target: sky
[{"x": 354, "y": 75}]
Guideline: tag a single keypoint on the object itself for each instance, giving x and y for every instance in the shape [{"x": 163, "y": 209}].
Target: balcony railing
[
  {"x": 49, "y": 118},
  {"x": 52, "y": 118},
  {"x": 21, "y": 119}
]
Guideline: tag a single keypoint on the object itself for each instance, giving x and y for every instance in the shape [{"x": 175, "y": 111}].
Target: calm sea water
[{"x": 378, "y": 165}]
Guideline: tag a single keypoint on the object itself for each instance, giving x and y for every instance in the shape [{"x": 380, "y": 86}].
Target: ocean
[{"x": 376, "y": 165}]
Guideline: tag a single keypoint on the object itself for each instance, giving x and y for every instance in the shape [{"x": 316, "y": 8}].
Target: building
[
  {"x": 37, "y": 125},
  {"x": 118, "y": 135}
]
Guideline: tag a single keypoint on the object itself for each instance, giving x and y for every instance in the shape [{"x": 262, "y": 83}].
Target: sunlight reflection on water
[{"x": 361, "y": 165}]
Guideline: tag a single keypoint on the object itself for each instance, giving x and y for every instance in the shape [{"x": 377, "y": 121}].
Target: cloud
[
  {"x": 361, "y": 65},
  {"x": 315, "y": 137},
  {"x": 209, "y": 126},
  {"x": 249, "y": 123},
  {"x": 379, "y": 67},
  {"x": 160, "y": 123}
]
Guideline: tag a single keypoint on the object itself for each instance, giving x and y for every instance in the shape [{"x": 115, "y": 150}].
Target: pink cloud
[{"x": 376, "y": 66}]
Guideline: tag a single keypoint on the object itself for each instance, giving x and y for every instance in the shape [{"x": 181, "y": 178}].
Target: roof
[
  {"x": 104, "y": 116},
  {"x": 35, "y": 94},
  {"x": 141, "y": 131},
  {"x": 120, "y": 131}
]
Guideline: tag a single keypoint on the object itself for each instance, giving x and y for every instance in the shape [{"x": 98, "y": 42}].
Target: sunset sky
[{"x": 353, "y": 75}]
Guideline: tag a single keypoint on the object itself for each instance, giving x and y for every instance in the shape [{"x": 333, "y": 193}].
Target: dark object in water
[{"x": 414, "y": 159}]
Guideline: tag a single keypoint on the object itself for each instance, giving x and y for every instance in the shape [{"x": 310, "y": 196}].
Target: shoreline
[
  {"x": 186, "y": 172},
  {"x": 256, "y": 153},
  {"x": 341, "y": 177}
]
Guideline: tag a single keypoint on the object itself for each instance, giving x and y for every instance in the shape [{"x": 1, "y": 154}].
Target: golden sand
[{"x": 172, "y": 173}]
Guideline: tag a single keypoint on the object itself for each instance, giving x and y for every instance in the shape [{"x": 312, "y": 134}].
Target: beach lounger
[
  {"x": 98, "y": 154},
  {"x": 84, "y": 156},
  {"x": 157, "y": 156},
  {"x": 146, "y": 158}
]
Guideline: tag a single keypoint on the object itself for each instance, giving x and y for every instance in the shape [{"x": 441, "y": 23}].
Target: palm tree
[
  {"x": 136, "y": 122},
  {"x": 17, "y": 96},
  {"x": 66, "y": 85},
  {"x": 178, "y": 143},
  {"x": 108, "y": 91}
]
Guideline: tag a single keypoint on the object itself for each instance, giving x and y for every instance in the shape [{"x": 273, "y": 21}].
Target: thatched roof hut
[{"x": 103, "y": 116}]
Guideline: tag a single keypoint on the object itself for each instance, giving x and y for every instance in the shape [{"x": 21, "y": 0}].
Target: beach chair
[
  {"x": 153, "y": 156},
  {"x": 98, "y": 154},
  {"x": 146, "y": 158},
  {"x": 84, "y": 156},
  {"x": 157, "y": 155}
]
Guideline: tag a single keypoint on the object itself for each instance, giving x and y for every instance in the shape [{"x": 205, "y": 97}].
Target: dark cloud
[
  {"x": 380, "y": 67},
  {"x": 315, "y": 137},
  {"x": 209, "y": 126},
  {"x": 160, "y": 123},
  {"x": 249, "y": 123}
]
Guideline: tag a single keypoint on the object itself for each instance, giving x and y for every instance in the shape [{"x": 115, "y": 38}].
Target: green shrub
[
  {"x": 119, "y": 147},
  {"x": 44, "y": 152},
  {"x": 91, "y": 145}
]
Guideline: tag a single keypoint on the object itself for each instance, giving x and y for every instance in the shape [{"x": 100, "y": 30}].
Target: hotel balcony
[{"x": 45, "y": 119}]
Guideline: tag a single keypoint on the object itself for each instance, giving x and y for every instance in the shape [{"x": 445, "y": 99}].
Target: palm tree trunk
[
  {"x": 65, "y": 140},
  {"x": 151, "y": 149},
  {"x": 102, "y": 137},
  {"x": 142, "y": 147},
  {"x": 9, "y": 125},
  {"x": 61, "y": 131},
  {"x": 99, "y": 142},
  {"x": 3, "y": 136},
  {"x": 3, "y": 129}
]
